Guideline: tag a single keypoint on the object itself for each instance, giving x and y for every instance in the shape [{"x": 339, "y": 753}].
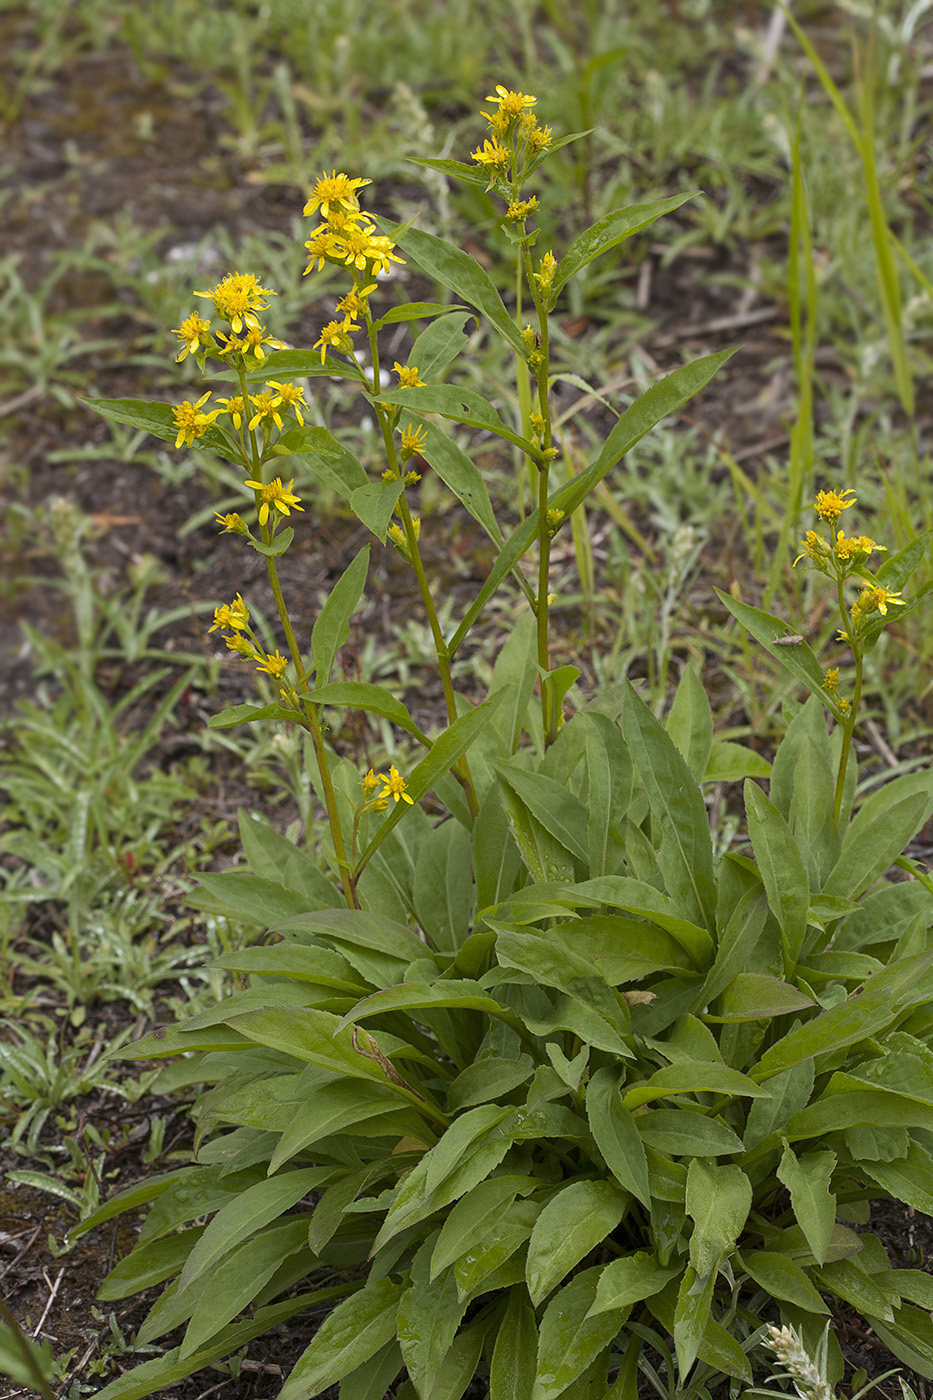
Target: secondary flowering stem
[{"x": 849, "y": 727}]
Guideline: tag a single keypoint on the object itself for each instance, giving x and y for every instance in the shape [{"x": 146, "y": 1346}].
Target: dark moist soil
[{"x": 74, "y": 154}]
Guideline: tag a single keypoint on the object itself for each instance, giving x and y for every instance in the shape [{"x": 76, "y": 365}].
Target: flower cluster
[
  {"x": 347, "y": 237},
  {"x": 516, "y": 137},
  {"x": 235, "y": 618}
]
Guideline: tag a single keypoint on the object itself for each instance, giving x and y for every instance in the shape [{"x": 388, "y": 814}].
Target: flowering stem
[
  {"x": 849, "y": 727},
  {"x": 461, "y": 771},
  {"x": 309, "y": 719}
]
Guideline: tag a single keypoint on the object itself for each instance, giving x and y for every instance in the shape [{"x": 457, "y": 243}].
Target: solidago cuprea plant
[{"x": 522, "y": 1089}]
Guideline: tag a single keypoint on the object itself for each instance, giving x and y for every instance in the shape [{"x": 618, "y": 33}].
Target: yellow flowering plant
[{"x": 532, "y": 1080}]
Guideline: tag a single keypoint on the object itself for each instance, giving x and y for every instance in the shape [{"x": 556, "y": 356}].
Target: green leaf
[
  {"x": 243, "y": 1216},
  {"x": 374, "y": 504},
  {"x": 686, "y": 854},
  {"x": 790, "y": 1092},
  {"x": 844, "y": 1024},
  {"x": 473, "y": 1269},
  {"x": 439, "y": 343},
  {"x": 333, "y": 623},
  {"x": 443, "y": 886},
  {"x": 420, "y": 996},
  {"x": 622, "y": 892},
  {"x": 691, "y": 1317},
  {"x": 327, "y": 458},
  {"x": 457, "y": 169},
  {"x": 264, "y": 903},
  {"x": 298, "y": 960},
  {"x": 360, "y": 695},
  {"x": 413, "y": 311},
  {"x": 690, "y": 723},
  {"x": 607, "y": 233},
  {"x": 620, "y": 950},
  {"x": 849, "y": 1281},
  {"x": 488, "y": 1078},
  {"x": 475, "y": 1215},
  {"x": 629, "y": 1280},
  {"x": 693, "y": 1077},
  {"x": 276, "y": 546},
  {"x": 800, "y": 660},
  {"x": 149, "y": 1264},
  {"x": 147, "y": 414},
  {"x": 718, "y": 1200},
  {"x": 736, "y": 943},
  {"x": 463, "y": 275},
  {"x": 245, "y": 714},
  {"x": 462, "y": 405},
  {"x": 784, "y": 1279},
  {"x": 782, "y": 871},
  {"x": 570, "y": 1338},
  {"x": 896, "y": 571},
  {"x": 461, "y": 475},
  {"x": 574, "y": 1221},
  {"x": 682, "y": 1133},
  {"x": 429, "y": 1313},
  {"x": 511, "y": 1376},
  {"x": 909, "y": 1180},
  {"x": 306, "y": 364},
  {"x": 335, "y": 1108},
  {"x": 754, "y": 996},
  {"x": 234, "y": 1284},
  {"x": 878, "y": 835},
  {"x": 558, "y": 811},
  {"x": 910, "y": 1338},
  {"x": 353, "y": 1332},
  {"x": 807, "y": 1178},
  {"x": 730, "y": 763}
]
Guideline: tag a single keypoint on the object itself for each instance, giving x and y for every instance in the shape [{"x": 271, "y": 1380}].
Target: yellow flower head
[
  {"x": 554, "y": 519},
  {"x": 266, "y": 405},
  {"x": 831, "y": 679},
  {"x": 191, "y": 422},
  {"x": 356, "y": 303},
  {"x": 829, "y": 505},
  {"x": 370, "y": 783},
  {"x": 539, "y": 138},
  {"x": 519, "y": 209},
  {"x": 323, "y": 246},
  {"x": 408, "y": 376},
  {"x": 275, "y": 496},
  {"x": 512, "y": 104},
  {"x": 237, "y": 298},
  {"x": 855, "y": 549},
  {"x": 335, "y": 336},
  {"x": 545, "y": 274},
  {"x": 414, "y": 440},
  {"x": 234, "y": 615},
  {"x": 235, "y": 408},
  {"x": 361, "y": 246},
  {"x": 232, "y": 524},
  {"x": 334, "y": 192},
  {"x": 813, "y": 546},
  {"x": 275, "y": 664},
  {"x": 193, "y": 332},
  {"x": 291, "y": 395},
  {"x": 492, "y": 154},
  {"x": 394, "y": 785},
  {"x": 878, "y": 599},
  {"x": 241, "y": 645}
]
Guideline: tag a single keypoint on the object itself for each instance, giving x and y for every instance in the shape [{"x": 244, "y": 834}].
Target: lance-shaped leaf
[
  {"x": 361, "y": 695},
  {"x": 439, "y": 343},
  {"x": 280, "y": 364},
  {"x": 571, "y": 1339},
  {"x": 686, "y": 854},
  {"x": 461, "y": 405},
  {"x": 355, "y": 1330},
  {"x": 413, "y": 311},
  {"x": 510, "y": 1375},
  {"x": 800, "y": 660},
  {"x": 782, "y": 871},
  {"x": 607, "y": 232},
  {"x": 462, "y": 274},
  {"x": 718, "y": 1199},
  {"x": 429, "y": 1313},
  {"x": 783, "y": 1278},
  {"x": 574, "y": 1221},
  {"x": 333, "y": 624},
  {"x": 246, "y": 714},
  {"x": 550, "y": 802},
  {"x": 475, "y": 1215},
  {"x": 617, "y": 1137},
  {"x": 423, "y": 996}
]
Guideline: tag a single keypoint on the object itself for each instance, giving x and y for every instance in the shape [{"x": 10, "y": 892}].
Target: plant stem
[{"x": 849, "y": 726}]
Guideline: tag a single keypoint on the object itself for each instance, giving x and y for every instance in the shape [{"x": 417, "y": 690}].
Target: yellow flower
[
  {"x": 267, "y": 406},
  {"x": 394, "y": 785},
  {"x": 334, "y": 191},
  {"x": 539, "y": 138},
  {"x": 829, "y": 505},
  {"x": 370, "y": 783},
  {"x": 277, "y": 496},
  {"x": 554, "y": 519},
  {"x": 814, "y": 547},
  {"x": 275, "y": 664},
  {"x": 492, "y": 154},
  {"x": 414, "y": 440},
  {"x": 291, "y": 395},
  {"x": 512, "y": 104},
  {"x": 855, "y": 549},
  {"x": 241, "y": 645},
  {"x": 877, "y": 599},
  {"x": 844, "y": 705},
  {"x": 236, "y": 410},
  {"x": 237, "y": 297},
  {"x": 545, "y": 274},
  {"x": 831, "y": 679},
  {"x": 234, "y": 615},
  {"x": 191, "y": 422},
  {"x": 250, "y": 343},
  {"x": 323, "y": 246},
  {"x": 335, "y": 335},
  {"x": 362, "y": 246},
  {"x": 193, "y": 332},
  {"x": 408, "y": 376},
  {"x": 355, "y": 303},
  {"x": 519, "y": 209},
  {"x": 232, "y": 524}
]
